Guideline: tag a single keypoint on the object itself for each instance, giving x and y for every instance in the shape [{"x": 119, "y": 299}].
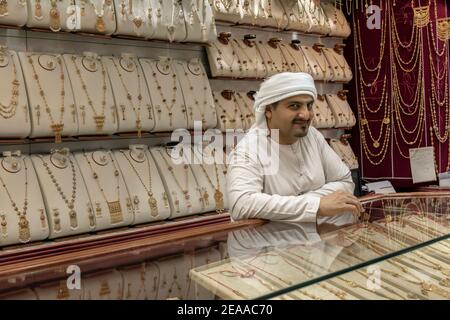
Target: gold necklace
[
  {"x": 226, "y": 117},
  {"x": 185, "y": 191},
  {"x": 98, "y": 119},
  {"x": 218, "y": 195},
  {"x": 114, "y": 207},
  {"x": 69, "y": 203},
  {"x": 24, "y": 224},
  {"x": 253, "y": 61},
  {"x": 273, "y": 66},
  {"x": 8, "y": 111},
  {"x": 220, "y": 59},
  {"x": 137, "y": 111},
  {"x": 202, "y": 110},
  {"x": 168, "y": 105},
  {"x": 57, "y": 127},
  {"x": 295, "y": 64},
  {"x": 55, "y": 17},
  {"x": 152, "y": 202},
  {"x": 250, "y": 117}
]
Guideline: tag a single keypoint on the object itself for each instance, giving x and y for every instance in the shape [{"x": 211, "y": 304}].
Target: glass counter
[{"x": 397, "y": 251}]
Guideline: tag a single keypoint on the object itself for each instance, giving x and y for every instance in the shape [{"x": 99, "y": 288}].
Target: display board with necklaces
[
  {"x": 245, "y": 101},
  {"x": 223, "y": 60},
  {"x": 318, "y": 21},
  {"x": 210, "y": 172},
  {"x": 140, "y": 282},
  {"x": 23, "y": 216},
  {"x": 345, "y": 152},
  {"x": 96, "y": 16},
  {"x": 227, "y": 10},
  {"x": 52, "y": 14},
  {"x": 323, "y": 116},
  {"x": 319, "y": 67},
  {"x": 13, "y": 12},
  {"x": 179, "y": 180},
  {"x": 293, "y": 56},
  {"x": 166, "y": 94},
  {"x": 135, "y": 18},
  {"x": 52, "y": 107},
  {"x": 197, "y": 93},
  {"x": 272, "y": 56},
  {"x": 341, "y": 70},
  {"x": 148, "y": 199},
  {"x": 133, "y": 104},
  {"x": 200, "y": 25},
  {"x": 229, "y": 112},
  {"x": 252, "y": 62},
  {"x": 272, "y": 14},
  {"x": 93, "y": 94},
  {"x": 343, "y": 114},
  {"x": 107, "y": 189},
  {"x": 14, "y": 112},
  {"x": 339, "y": 26},
  {"x": 298, "y": 18},
  {"x": 66, "y": 198},
  {"x": 170, "y": 20}
]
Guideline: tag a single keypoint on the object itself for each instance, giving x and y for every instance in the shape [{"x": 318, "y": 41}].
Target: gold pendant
[
  {"x": 42, "y": 218},
  {"x": 206, "y": 198},
  {"x": 166, "y": 200},
  {"x": 153, "y": 204},
  {"x": 73, "y": 219},
  {"x": 91, "y": 217},
  {"x": 218, "y": 197},
  {"x": 38, "y": 10},
  {"x": 98, "y": 210},
  {"x": 3, "y": 8},
  {"x": 421, "y": 16},
  {"x": 100, "y": 25},
  {"x": 56, "y": 221},
  {"x": 443, "y": 29},
  {"x": 129, "y": 205},
  {"x": 176, "y": 201},
  {"x": 138, "y": 22},
  {"x": 24, "y": 229},
  {"x": 139, "y": 128},
  {"x": 99, "y": 123},
  {"x": 104, "y": 288},
  {"x": 115, "y": 212},
  {"x": 63, "y": 291},
  {"x": 57, "y": 130},
  {"x": 376, "y": 144},
  {"x": 55, "y": 22},
  {"x": 4, "y": 225}
]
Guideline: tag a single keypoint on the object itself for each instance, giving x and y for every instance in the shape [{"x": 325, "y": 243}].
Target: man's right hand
[{"x": 338, "y": 203}]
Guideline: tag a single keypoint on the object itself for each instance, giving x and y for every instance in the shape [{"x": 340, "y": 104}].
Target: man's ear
[{"x": 268, "y": 112}]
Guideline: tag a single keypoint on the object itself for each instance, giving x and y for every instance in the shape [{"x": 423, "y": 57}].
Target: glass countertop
[{"x": 263, "y": 260}]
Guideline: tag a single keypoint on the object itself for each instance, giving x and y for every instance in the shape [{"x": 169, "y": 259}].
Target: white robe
[{"x": 308, "y": 170}]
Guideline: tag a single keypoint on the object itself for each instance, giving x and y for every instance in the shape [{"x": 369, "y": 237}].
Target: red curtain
[{"x": 401, "y": 87}]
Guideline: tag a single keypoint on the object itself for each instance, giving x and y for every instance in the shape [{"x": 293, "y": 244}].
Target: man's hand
[{"x": 338, "y": 203}]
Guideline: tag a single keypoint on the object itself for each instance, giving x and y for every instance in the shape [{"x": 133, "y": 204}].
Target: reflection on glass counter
[
  {"x": 421, "y": 274},
  {"x": 397, "y": 251}
]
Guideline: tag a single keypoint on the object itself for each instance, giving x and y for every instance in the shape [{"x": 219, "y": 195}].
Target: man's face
[{"x": 292, "y": 116}]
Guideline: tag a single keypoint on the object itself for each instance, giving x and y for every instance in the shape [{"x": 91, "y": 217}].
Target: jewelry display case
[{"x": 398, "y": 250}]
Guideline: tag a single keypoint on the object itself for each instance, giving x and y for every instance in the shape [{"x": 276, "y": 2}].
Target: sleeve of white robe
[
  {"x": 337, "y": 175},
  {"x": 247, "y": 201}
]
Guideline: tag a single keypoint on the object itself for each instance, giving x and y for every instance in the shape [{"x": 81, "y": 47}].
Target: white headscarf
[{"x": 279, "y": 87}]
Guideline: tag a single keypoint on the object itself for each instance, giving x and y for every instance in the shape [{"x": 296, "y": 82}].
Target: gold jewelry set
[
  {"x": 345, "y": 152},
  {"x": 115, "y": 206},
  {"x": 233, "y": 59},
  {"x": 229, "y": 111},
  {"x": 152, "y": 201}
]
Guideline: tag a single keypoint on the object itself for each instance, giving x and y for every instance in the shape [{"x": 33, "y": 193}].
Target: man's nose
[{"x": 303, "y": 114}]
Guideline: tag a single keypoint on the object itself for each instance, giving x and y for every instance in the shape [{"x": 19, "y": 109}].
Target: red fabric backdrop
[{"x": 400, "y": 89}]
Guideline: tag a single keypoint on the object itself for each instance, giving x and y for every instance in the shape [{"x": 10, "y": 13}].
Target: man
[{"x": 310, "y": 181}]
